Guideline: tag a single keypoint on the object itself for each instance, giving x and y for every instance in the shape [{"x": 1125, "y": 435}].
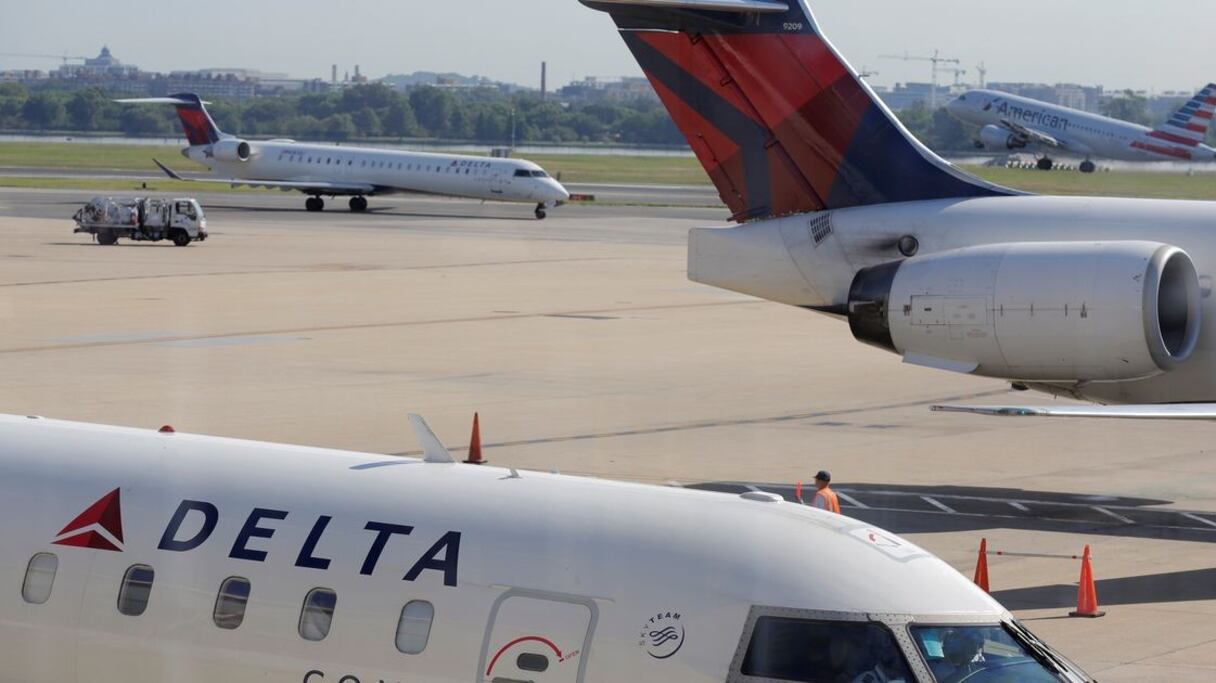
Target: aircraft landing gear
[
  {"x": 1088, "y": 166},
  {"x": 358, "y": 204},
  {"x": 540, "y": 212},
  {"x": 1045, "y": 164},
  {"x": 314, "y": 204}
]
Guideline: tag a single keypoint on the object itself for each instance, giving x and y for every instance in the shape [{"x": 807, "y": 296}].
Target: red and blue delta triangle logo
[{"x": 99, "y": 527}]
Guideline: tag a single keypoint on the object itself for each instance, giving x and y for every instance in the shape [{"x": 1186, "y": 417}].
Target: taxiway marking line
[
  {"x": 852, "y": 501},
  {"x": 1018, "y": 506},
  {"x": 940, "y": 506},
  {"x": 1197, "y": 518},
  {"x": 1121, "y": 518}
]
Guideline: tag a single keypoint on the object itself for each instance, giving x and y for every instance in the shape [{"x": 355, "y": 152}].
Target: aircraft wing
[
  {"x": 1166, "y": 411},
  {"x": 319, "y": 186},
  {"x": 1031, "y": 135}
]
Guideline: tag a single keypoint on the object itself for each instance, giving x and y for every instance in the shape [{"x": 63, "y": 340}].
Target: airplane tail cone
[
  {"x": 1087, "y": 592},
  {"x": 475, "y": 444},
  {"x": 981, "y": 566}
]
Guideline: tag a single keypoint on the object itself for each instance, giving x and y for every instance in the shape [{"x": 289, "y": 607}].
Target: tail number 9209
[{"x": 791, "y": 26}]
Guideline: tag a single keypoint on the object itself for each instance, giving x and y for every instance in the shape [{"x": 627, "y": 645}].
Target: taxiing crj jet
[
  {"x": 845, "y": 213},
  {"x": 357, "y": 172},
  {"x": 1010, "y": 123}
]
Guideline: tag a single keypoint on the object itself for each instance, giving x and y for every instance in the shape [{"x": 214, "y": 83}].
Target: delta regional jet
[
  {"x": 1009, "y": 123},
  {"x": 136, "y": 556},
  {"x": 358, "y": 172},
  {"x": 844, "y": 213}
]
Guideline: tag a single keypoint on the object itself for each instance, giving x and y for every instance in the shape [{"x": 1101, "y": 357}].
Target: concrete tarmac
[{"x": 585, "y": 349}]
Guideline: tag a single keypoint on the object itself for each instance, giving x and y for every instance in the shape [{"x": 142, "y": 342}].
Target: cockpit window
[
  {"x": 821, "y": 651},
  {"x": 986, "y": 654},
  {"x": 539, "y": 174},
  {"x": 522, "y": 173}
]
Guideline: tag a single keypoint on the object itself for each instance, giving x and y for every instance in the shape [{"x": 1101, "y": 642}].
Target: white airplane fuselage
[
  {"x": 602, "y": 581},
  {"x": 1079, "y": 132},
  {"x": 388, "y": 171},
  {"x": 780, "y": 260}
]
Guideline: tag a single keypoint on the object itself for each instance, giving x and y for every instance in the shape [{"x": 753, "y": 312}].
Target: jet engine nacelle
[
  {"x": 998, "y": 138},
  {"x": 231, "y": 150},
  {"x": 1047, "y": 311}
]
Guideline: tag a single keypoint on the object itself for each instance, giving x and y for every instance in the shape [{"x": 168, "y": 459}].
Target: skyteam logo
[
  {"x": 99, "y": 527},
  {"x": 662, "y": 635}
]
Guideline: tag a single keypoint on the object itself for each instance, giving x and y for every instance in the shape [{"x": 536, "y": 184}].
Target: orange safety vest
[{"x": 830, "y": 502}]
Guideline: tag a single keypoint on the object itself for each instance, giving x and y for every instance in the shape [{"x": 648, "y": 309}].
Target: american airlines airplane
[
  {"x": 135, "y": 556},
  {"x": 844, "y": 213},
  {"x": 1010, "y": 122},
  {"x": 357, "y": 172}
]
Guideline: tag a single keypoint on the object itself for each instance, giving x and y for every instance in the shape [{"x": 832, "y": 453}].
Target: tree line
[{"x": 482, "y": 115}]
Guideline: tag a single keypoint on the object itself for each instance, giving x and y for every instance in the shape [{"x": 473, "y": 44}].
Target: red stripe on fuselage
[
  {"x": 1170, "y": 137},
  {"x": 1164, "y": 151},
  {"x": 1203, "y": 114}
]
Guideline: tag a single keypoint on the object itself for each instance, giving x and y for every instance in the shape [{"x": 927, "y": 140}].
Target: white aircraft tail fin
[{"x": 1190, "y": 124}]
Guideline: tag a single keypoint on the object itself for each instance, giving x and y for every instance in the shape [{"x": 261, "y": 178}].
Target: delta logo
[
  {"x": 99, "y": 527},
  {"x": 193, "y": 523}
]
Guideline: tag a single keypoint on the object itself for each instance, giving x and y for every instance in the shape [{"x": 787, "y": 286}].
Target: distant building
[
  {"x": 592, "y": 89},
  {"x": 104, "y": 65}
]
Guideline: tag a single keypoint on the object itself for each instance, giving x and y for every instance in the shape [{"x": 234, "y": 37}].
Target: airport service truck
[{"x": 142, "y": 218}]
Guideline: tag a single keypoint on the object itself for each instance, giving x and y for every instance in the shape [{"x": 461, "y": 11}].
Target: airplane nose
[{"x": 560, "y": 192}]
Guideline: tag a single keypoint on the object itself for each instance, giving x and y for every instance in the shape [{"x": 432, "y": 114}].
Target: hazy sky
[{"x": 1117, "y": 43}]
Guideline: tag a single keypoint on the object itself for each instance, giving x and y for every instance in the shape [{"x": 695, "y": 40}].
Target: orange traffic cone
[
  {"x": 475, "y": 444},
  {"x": 981, "y": 566},
  {"x": 1087, "y": 592}
]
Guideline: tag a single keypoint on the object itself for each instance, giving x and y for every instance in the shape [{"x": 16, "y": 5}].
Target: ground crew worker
[{"x": 825, "y": 498}]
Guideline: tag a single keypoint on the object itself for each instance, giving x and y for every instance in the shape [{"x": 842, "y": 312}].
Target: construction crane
[
  {"x": 866, "y": 73},
  {"x": 65, "y": 56},
  {"x": 937, "y": 60},
  {"x": 958, "y": 73},
  {"x": 983, "y": 72}
]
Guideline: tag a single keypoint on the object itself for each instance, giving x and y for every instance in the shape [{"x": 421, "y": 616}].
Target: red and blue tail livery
[
  {"x": 196, "y": 122},
  {"x": 1189, "y": 125},
  {"x": 780, "y": 122}
]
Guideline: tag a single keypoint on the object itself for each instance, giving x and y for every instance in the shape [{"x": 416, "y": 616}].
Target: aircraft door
[
  {"x": 536, "y": 637},
  {"x": 499, "y": 180}
]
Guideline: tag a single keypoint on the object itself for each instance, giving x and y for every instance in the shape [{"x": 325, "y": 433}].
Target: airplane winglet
[
  {"x": 168, "y": 171},
  {"x": 432, "y": 449}
]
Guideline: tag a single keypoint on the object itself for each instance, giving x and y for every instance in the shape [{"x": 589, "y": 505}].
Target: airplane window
[
  {"x": 539, "y": 174},
  {"x": 529, "y": 661},
  {"x": 981, "y": 653},
  {"x": 317, "y": 614},
  {"x": 522, "y": 173},
  {"x": 136, "y": 590},
  {"x": 803, "y": 650},
  {"x": 414, "y": 627},
  {"x": 230, "y": 603},
  {"x": 39, "y": 578}
]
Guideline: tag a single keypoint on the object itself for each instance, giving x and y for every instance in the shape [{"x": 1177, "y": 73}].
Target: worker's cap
[{"x": 823, "y": 475}]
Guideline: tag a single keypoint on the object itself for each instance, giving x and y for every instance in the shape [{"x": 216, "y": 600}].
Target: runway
[{"x": 585, "y": 349}]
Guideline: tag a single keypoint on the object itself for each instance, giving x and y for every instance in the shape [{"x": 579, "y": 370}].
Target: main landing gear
[
  {"x": 540, "y": 212},
  {"x": 314, "y": 204},
  {"x": 1045, "y": 164},
  {"x": 1087, "y": 166},
  {"x": 358, "y": 204}
]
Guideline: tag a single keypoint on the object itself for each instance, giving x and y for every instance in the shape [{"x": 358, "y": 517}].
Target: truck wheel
[
  {"x": 107, "y": 238},
  {"x": 180, "y": 237}
]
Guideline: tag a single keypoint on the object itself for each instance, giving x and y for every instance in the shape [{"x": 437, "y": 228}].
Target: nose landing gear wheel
[
  {"x": 314, "y": 204},
  {"x": 358, "y": 204},
  {"x": 1088, "y": 166},
  {"x": 1045, "y": 164},
  {"x": 540, "y": 212}
]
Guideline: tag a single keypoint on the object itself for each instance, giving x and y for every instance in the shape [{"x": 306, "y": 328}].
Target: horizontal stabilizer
[
  {"x": 1168, "y": 411},
  {"x": 160, "y": 100},
  {"x": 706, "y": 5}
]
